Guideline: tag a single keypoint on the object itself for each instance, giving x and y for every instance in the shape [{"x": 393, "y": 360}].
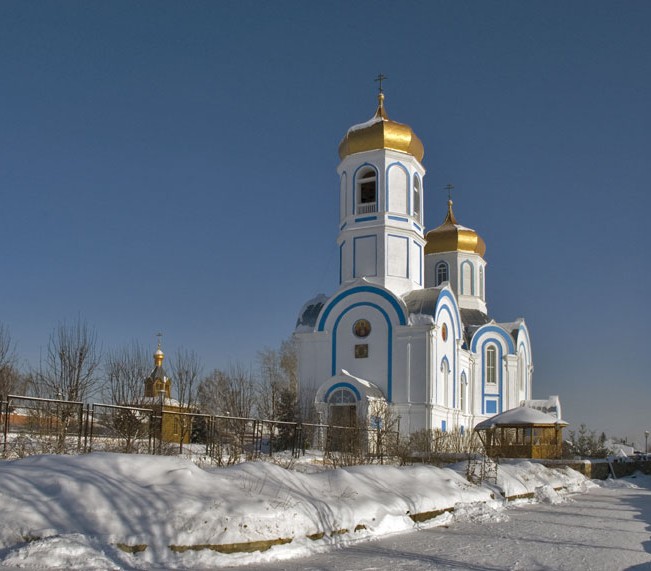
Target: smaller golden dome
[
  {"x": 450, "y": 237},
  {"x": 159, "y": 356},
  {"x": 381, "y": 133}
]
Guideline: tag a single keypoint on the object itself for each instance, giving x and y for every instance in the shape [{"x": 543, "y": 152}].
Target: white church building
[{"x": 409, "y": 324}]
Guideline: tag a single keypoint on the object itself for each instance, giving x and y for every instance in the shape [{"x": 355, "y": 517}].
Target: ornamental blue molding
[
  {"x": 493, "y": 329},
  {"x": 524, "y": 329},
  {"x": 325, "y": 312},
  {"x": 389, "y": 341},
  {"x": 456, "y": 318},
  {"x": 398, "y": 218},
  {"x": 365, "y": 218},
  {"x": 342, "y": 385}
]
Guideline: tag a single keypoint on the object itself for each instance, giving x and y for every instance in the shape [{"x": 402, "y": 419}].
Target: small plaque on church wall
[{"x": 361, "y": 351}]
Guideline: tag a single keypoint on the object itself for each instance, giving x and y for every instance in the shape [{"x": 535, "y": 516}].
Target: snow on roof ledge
[{"x": 520, "y": 416}]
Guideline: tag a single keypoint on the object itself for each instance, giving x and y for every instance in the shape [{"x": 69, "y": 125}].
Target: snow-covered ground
[{"x": 114, "y": 511}]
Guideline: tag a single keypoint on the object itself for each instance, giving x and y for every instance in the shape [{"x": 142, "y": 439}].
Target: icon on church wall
[
  {"x": 362, "y": 328},
  {"x": 444, "y": 332},
  {"x": 361, "y": 351}
]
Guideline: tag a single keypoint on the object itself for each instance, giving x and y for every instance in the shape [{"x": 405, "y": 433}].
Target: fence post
[
  {"x": 92, "y": 428},
  {"x": 5, "y": 429}
]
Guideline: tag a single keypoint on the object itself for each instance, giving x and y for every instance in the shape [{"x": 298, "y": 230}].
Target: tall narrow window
[
  {"x": 463, "y": 393},
  {"x": 491, "y": 365},
  {"x": 441, "y": 271},
  {"x": 481, "y": 282},
  {"x": 367, "y": 192},
  {"x": 416, "y": 198}
]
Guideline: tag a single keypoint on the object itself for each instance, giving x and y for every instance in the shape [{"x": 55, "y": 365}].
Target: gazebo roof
[{"x": 520, "y": 416}]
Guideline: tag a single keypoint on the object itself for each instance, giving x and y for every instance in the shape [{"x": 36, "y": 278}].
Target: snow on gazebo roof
[{"x": 520, "y": 416}]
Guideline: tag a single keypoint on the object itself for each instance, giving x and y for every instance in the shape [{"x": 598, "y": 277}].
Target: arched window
[
  {"x": 367, "y": 192},
  {"x": 467, "y": 278},
  {"x": 445, "y": 369},
  {"x": 442, "y": 274},
  {"x": 342, "y": 396},
  {"x": 521, "y": 372},
  {"x": 481, "y": 282},
  {"x": 416, "y": 198},
  {"x": 491, "y": 365}
]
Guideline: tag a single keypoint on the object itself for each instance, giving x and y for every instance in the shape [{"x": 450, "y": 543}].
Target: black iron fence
[{"x": 32, "y": 425}]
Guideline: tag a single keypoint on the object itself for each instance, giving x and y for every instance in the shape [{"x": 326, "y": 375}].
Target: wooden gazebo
[{"x": 522, "y": 432}]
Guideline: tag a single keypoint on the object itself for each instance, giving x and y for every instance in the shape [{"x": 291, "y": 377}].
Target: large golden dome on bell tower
[{"x": 380, "y": 132}]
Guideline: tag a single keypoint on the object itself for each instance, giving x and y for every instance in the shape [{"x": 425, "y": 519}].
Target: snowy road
[{"x": 605, "y": 529}]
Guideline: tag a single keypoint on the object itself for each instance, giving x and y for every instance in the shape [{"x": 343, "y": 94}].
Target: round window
[
  {"x": 362, "y": 328},
  {"x": 444, "y": 332}
]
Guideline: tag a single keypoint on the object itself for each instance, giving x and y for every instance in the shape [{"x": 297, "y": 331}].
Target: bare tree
[
  {"x": 278, "y": 382},
  {"x": 125, "y": 372},
  {"x": 228, "y": 393},
  {"x": 186, "y": 368},
  {"x": 69, "y": 372},
  {"x": 11, "y": 380}
]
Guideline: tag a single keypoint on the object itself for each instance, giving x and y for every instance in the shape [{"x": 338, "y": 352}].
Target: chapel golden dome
[
  {"x": 451, "y": 236},
  {"x": 381, "y": 133},
  {"x": 158, "y": 356}
]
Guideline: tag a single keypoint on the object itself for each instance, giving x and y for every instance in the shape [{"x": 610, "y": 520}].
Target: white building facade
[{"x": 408, "y": 325}]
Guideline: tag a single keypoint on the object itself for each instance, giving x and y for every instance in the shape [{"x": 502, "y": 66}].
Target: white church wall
[{"x": 366, "y": 358}]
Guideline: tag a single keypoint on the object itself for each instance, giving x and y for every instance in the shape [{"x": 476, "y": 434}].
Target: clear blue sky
[{"x": 170, "y": 166}]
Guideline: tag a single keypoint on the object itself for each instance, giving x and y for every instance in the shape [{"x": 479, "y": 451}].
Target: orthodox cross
[
  {"x": 159, "y": 335},
  {"x": 380, "y": 78},
  {"x": 449, "y": 187}
]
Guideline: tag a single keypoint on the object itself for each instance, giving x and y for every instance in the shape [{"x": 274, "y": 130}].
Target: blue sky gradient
[{"x": 169, "y": 166}]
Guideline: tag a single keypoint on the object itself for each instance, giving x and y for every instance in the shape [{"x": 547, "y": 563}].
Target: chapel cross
[
  {"x": 380, "y": 78},
  {"x": 159, "y": 335},
  {"x": 449, "y": 187}
]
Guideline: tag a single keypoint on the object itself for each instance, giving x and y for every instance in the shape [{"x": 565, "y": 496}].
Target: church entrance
[{"x": 342, "y": 420}]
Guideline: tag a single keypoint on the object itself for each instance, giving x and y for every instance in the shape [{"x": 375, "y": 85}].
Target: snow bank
[{"x": 107, "y": 511}]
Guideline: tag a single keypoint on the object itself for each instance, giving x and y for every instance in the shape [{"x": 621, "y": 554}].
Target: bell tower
[{"x": 381, "y": 234}]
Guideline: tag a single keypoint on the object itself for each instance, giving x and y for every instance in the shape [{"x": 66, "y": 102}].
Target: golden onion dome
[
  {"x": 451, "y": 236},
  {"x": 381, "y": 133},
  {"x": 159, "y": 356}
]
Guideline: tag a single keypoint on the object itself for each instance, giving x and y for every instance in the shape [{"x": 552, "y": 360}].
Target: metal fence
[{"x": 32, "y": 425}]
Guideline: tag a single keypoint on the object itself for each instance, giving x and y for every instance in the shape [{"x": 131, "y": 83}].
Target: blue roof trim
[
  {"x": 493, "y": 329},
  {"x": 342, "y": 385},
  {"x": 400, "y": 314}
]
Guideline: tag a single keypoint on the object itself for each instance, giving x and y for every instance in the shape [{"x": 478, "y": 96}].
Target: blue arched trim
[
  {"x": 498, "y": 365},
  {"x": 341, "y": 261},
  {"x": 325, "y": 312},
  {"x": 407, "y": 189},
  {"x": 389, "y": 341},
  {"x": 493, "y": 329},
  {"x": 445, "y": 294},
  {"x": 455, "y": 321},
  {"x": 342, "y": 385},
  {"x": 377, "y": 186}
]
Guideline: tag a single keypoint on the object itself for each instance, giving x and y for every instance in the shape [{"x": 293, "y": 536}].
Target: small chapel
[{"x": 409, "y": 324}]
